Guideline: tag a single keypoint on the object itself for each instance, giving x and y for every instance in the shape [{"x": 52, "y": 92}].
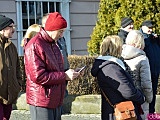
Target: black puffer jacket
[
  {"x": 152, "y": 50},
  {"x": 123, "y": 34}
]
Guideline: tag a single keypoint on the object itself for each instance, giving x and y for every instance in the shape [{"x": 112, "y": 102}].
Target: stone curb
[
  {"x": 75, "y": 105},
  {"x": 25, "y": 115}
]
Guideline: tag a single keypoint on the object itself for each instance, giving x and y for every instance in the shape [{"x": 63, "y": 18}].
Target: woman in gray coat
[{"x": 138, "y": 62}]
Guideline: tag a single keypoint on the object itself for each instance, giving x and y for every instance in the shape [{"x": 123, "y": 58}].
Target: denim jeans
[{"x": 5, "y": 111}]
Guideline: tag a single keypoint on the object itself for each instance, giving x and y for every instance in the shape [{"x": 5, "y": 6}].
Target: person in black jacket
[
  {"x": 113, "y": 78},
  {"x": 126, "y": 27},
  {"x": 152, "y": 50}
]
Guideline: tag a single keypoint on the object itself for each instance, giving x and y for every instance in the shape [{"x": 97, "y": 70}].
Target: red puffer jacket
[{"x": 45, "y": 84}]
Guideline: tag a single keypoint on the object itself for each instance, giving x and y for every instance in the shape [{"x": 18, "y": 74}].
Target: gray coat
[{"x": 139, "y": 64}]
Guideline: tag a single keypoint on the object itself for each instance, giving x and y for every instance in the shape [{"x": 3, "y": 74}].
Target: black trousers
[{"x": 154, "y": 87}]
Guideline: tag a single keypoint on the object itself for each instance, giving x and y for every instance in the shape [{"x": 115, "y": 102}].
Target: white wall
[{"x": 83, "y": 17}]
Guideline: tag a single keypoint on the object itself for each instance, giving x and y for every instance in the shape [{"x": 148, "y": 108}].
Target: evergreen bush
[
  {"x": 83, "y": 85},
  {"x": 111, "y": 12}
]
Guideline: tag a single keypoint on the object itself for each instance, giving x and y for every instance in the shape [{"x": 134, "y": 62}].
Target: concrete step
[
  {"x": 84, "y": 104},
  {"x": 84, "y": 107},
  {"x": 25, "y": 115}
]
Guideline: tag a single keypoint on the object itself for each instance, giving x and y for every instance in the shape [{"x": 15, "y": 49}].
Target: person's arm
[
  {"x": 17, "y": 64},
  {"x": 65, "y": 49},
  {"x": 145, "y": 77},
  {"x": 18, "y": 71},
  {"x": 126, "y": 86}
]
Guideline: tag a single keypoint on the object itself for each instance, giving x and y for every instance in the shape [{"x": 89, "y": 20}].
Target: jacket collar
[
  {"x": 113, "y": 59},
  {"x": 144, "y": 34},
  {"x": 45, "y": 35},
  {"x": 4, "y": 41},
  {"x": 124, "y": 32},
  {"x": 129, "y": 52}
]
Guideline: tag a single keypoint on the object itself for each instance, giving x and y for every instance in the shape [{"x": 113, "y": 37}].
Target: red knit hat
[{"x": 55, "y": 22}]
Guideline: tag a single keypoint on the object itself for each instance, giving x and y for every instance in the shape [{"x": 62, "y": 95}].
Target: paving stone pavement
[{"x": 25, "y": 115}]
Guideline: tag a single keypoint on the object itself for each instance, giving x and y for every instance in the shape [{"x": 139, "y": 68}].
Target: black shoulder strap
[{"x": 107, "y": 98}]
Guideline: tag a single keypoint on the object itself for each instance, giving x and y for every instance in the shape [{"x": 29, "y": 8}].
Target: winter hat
[
  {"x": 126, "y": 21},
  {"x": 147, "y": 23},
  {"x": 55, "y": 22},
  {"x": 5, "y": 22}
]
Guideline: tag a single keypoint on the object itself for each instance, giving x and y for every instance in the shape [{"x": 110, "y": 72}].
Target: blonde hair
[
  {"x": 111, "y": 45},
  {"x": 31, "y": 32},
  {"x": 136, "y": 39}
]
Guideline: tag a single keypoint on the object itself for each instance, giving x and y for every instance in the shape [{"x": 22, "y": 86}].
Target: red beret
[{"x": 55, "y": 22}]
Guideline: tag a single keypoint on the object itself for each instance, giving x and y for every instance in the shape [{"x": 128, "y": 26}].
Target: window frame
[{"x": 64, "y": 10}]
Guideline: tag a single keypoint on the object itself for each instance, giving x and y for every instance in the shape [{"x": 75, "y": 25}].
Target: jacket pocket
[{"x": 49, "y": 90}]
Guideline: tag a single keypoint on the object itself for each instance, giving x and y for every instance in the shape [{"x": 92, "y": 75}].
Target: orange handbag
[{"x": 123, "y": 110}]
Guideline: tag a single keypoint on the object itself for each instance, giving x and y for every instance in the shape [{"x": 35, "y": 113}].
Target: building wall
[
  {"x": 8, "y": 8},
  {"x": 83, "y": 16}
]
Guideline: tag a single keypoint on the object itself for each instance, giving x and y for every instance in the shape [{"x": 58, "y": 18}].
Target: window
[{"x": 31, "y": 11}]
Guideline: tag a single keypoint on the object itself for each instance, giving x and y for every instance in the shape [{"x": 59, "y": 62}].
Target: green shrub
[
  {"x": 111, "y": 12},
  {"x": 83, "y": 85}
]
